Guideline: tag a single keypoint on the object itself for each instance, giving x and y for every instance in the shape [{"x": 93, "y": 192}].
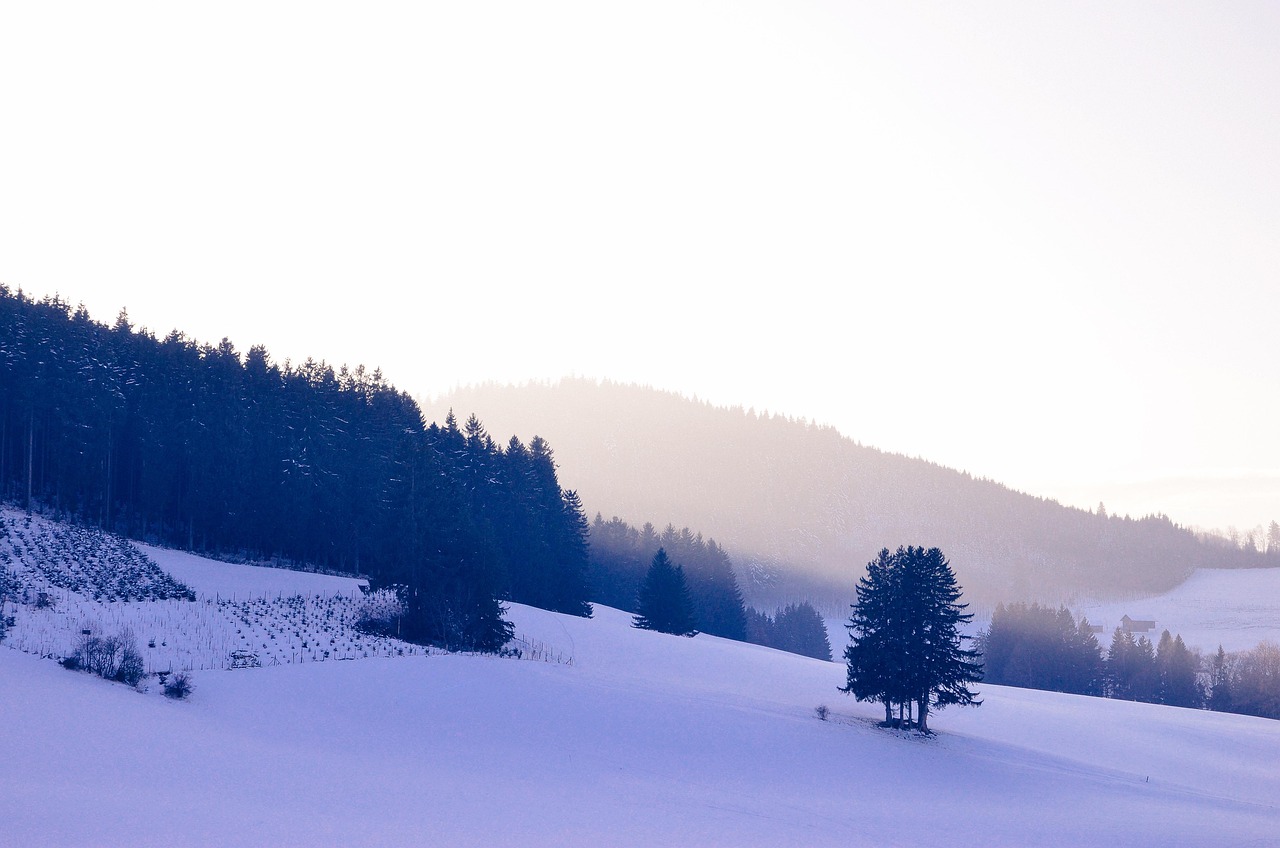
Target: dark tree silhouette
[
  {"x": 619, "y": 559},
  {"x": 196, "y": 446},
  {"x": 796, "y": 628},
  {"x": 1132, "y": 674},
  {"x": 1037, "y": 647},
  {"x": 906, "y": 643},
  {"x": 664, "y": 604},
  {"x": 1179, "y": 673}
]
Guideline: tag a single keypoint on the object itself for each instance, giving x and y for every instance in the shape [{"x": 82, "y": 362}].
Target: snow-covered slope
[
  {"x": 1236, "y": 608},
  {"x": 625, "y": 738},
  {"x": 183, "y": 611},
  {"x": 211, "y": 579}
]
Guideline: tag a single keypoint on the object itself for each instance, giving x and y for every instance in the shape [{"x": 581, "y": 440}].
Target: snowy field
[
  {"x": 183, "y": 611},
  {"x": 624, "y": 737},
  {"x": 211, "y": 579},
  {"x": 1235, "y": 608}
]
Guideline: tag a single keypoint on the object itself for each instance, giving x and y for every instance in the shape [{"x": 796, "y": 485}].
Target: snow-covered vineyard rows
[
  {"x": 64, "y": 583},
  {"x": 206, "y": 634},
  {"x": 38, "y": 555}
]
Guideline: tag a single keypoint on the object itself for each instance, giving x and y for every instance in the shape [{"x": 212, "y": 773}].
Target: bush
[
  {"x": 178, "y": 686},
  {"x": 131, "y": 669},
  {"x": 379, "y": 612},
  {"x": 110, "y": 657}
]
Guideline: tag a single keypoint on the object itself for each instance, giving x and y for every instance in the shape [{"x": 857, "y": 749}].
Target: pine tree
[
  {"x": 1038, "y": 647},
  {"x": 1132, "y": 674},
  {"x": 664, "y": 604},
  {"x": 907, "y": 646},
  {"x": 800, "y": 630},
  {"x": 874, "y": 653},
  {"x": 1177, "y": 666},
  {"x": 1220, "y": 682}
]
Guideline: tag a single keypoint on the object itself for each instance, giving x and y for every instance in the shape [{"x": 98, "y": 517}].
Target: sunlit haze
[{"x": 1037, "y": 242}]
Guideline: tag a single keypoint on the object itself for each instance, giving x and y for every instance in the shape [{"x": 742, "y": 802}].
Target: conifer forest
[{"x": 200, "y": 447}]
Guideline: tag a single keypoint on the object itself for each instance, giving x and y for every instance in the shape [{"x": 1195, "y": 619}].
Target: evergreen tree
[
  {"x": 664, "y": 604},
  {"x": 906, "y": 643},
  {"x": 1038, "y": 647},
  {"x": 1089, "y": 670},
  {"x": 760, "y": 628},
  {"x": 619, "y": 557},
  {"x": 874, "y": 656},
  {"x": 799, "y": 629},
  {"x": 796, "y": 628},
  {"x": 1220, "y": 683},
  {"x": 1132, "y": 674},
  {"x": 196, "y": 446},
  {"x": 1178, "y": 670}
]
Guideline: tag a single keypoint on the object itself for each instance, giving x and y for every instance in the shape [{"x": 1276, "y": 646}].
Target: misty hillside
[{"x": 802, "y": 508}]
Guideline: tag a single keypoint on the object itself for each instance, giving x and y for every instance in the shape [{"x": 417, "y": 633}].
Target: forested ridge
[
  {"x": 197, "y": 446},
  {"x": 799, "y": 507}
]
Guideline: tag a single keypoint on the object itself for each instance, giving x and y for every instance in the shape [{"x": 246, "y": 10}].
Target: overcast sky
[{"x": 1036, "y": 241}]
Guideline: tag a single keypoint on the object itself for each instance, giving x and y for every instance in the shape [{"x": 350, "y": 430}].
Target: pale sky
[{"x": 1038, "y": 242}]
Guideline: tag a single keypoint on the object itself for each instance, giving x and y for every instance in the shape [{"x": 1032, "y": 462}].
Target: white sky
[{"x": 1035, "y": 241}]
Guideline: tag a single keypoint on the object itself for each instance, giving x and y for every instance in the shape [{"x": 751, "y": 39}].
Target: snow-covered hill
[
  {"x": 1235, "y": 608},
  {"x": 183, "y": 611},
  {"x": 628, "y": 738}
]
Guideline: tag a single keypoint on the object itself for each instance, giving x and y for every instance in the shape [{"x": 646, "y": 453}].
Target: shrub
[
  {"x": 379, "y": 612},
  {"x": 131, "y": 669},
  {"x": 178, "y": 686},
  {"x": 110, "y": 657}
]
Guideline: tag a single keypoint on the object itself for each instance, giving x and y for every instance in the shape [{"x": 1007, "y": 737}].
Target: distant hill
[{"x": 801, "y": 508}]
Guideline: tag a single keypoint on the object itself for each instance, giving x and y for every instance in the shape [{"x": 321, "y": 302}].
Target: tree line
[
  {"x": 622, "y": 556},
  {"x": 1039, "y": 647},
  {"x": 200, "y": 447},
  {"x": 796, "y": 627}
]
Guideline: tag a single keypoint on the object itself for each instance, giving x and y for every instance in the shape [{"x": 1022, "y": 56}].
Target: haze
[{"x": 1037, "y": 243}]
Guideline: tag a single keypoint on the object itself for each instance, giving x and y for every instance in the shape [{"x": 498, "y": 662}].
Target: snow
[
  {"x": 212, "y": 579},
  {"x": 235, "y": 614},
  {"x": 1235, "y": 608},
  {"x": 615, "y": 737}
]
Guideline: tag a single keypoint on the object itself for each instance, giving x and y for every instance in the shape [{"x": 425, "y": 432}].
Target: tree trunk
[
  {"x": 31, "y": 443},
  {"x": 923, "y": 723}
]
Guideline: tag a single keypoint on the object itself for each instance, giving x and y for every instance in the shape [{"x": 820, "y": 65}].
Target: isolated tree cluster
[
  {"x": 906, "y": 647},
  {"x": 201, "y": 447}
]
